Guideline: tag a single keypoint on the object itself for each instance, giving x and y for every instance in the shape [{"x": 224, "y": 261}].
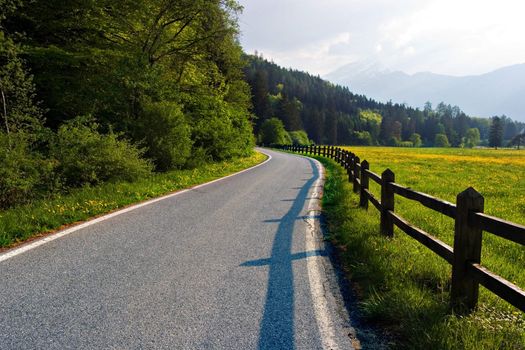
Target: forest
[
  {"x": 332, "y": 114},
  {"x": 101, "y": 91},
  {"x": 97, "y": 91}
]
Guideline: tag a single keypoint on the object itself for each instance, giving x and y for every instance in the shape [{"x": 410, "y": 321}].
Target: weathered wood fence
[{"x": 470, "y": 222}]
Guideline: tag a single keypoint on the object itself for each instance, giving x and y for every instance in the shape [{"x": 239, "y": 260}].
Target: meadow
[
  {"x": 31, "y": 220},
  {"x": 405, "y": 287}
]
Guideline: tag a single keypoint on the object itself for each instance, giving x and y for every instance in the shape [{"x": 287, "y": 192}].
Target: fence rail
[{"x": 470, "y": 222}]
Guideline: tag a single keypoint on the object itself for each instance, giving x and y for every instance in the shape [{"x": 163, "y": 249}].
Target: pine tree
[{"x": 496, "y": 133}]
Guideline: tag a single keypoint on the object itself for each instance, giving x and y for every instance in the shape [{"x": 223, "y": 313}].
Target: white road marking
[
  {"x": 321, "y": 293},
  {"x": 26, "y": 247}
]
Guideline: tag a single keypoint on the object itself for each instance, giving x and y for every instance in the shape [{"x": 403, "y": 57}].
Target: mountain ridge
[{"x": 497, "y": 92}]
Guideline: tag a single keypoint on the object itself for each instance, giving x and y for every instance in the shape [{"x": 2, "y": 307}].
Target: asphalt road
[{"x": 224, "y": 266}]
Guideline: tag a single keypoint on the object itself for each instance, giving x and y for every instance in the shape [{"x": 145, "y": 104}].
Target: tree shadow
[{"x": 277, "y": 326}]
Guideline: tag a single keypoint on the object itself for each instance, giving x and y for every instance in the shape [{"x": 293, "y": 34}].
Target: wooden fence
[{"x": 470, "y": 222}]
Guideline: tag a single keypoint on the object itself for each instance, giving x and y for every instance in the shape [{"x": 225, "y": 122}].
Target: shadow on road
[{"x": 277, "y": 326}]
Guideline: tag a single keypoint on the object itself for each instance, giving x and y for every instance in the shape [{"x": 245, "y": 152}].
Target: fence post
[
  {"x": 363, "y": 196},
  {"x": 387, "y": 202},
  {"x": 467, "y": 248},
  {"x": 351, "y": 168},
  {"x": 356, "y": 174}
]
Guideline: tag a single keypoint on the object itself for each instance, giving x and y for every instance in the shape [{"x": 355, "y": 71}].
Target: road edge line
[{"x": 324, "y": 300}]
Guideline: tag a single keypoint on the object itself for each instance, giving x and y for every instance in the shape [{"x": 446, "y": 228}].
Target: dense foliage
[
  {"x": 272, "y": 131},
  {"x": 332, "y": 114},
  {"x": 160, "y": 82}
]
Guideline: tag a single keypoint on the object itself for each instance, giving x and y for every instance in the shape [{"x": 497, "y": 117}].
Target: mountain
[{"x": 494, "y": 93}]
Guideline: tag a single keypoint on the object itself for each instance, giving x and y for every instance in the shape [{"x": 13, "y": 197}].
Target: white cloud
[{"x": 444, "y": 36}]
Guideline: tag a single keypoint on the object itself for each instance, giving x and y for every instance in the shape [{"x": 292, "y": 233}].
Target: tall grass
[
  {"x": 25, "y": 221},
  {"x": 404, "y": 286}
]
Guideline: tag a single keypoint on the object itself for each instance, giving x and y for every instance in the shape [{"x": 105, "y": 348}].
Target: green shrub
[
  {"x": 361, "y": 138},
  {"x": 220, "y": 129},
  {"x": 299, "y": 137},
  {"x": 273, "y": 132},
  {"x": 441, "y": 140},
  {"x": 166, "y": 134},
  {"x": 415, "y": 138},
  {"x": 405, "y": 144},
  {"x": 24, "y": 174},
  {"x": 87, "y": 157}
]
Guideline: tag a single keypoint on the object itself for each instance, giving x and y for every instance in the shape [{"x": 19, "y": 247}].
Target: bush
[
  {"x": 222, "y": 130},
  {"x": 166, "y": 134},
  {"x": 393, "y": 141},
  {"x": 299, "y": 137},
  {"x": 415, "y": 138},
  {"x": 87, "y": 157},
  {"x": 273, "y": 132},
  {"x": 441, "y": 140},
  {"x": 23, "y": 172},
  {"x": 361, "y": 138},
  {"x": 405, "y": 144}
]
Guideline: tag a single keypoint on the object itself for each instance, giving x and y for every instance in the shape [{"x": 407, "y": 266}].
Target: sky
[{"x": 454, "y": 37}]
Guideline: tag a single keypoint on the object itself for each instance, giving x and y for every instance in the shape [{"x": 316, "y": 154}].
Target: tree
[
  {"x": 496, "y": 133},
  {"x": 441, "y": 140},
  {"x": 472, "y": 137},
  {"x": 17, "y": 92},
  {"x": 518, "y": 140},
  {"x": 261, "y": 103},
  {"x": 273, "y": 132},
  {"x": 289, "y": 111},
  {"x": 416, "y": 140}
]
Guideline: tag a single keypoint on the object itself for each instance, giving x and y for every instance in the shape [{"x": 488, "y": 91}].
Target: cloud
[{"x": 444, "y": 36}]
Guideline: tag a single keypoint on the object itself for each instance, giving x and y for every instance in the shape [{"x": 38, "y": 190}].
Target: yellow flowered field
[
  {"x": 444, "y": 172},
  {"x": 499, "y": 175}
]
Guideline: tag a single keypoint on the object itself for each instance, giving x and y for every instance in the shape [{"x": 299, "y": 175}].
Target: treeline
[
  {"x": 331, "y": 114},
  {"x": 110, "y": 90}
]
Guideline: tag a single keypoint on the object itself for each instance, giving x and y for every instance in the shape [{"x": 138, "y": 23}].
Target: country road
[{"x": 236, "y": 264}]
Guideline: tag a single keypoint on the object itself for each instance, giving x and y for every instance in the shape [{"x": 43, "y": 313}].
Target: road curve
[{"x": 236, "y": 264}]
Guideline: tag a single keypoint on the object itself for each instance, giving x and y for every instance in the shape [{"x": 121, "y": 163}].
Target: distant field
[
  {"x": 499, "y": 175},
  {"x": 402, "y": 286}
]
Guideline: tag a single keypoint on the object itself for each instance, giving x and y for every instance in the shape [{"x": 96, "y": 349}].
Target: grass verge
[
  {"x": 403, "y": 287},
  {"x": 26, "y": 221}
]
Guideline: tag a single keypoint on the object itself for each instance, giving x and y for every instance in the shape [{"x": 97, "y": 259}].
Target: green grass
[
  {"x": 402, "y": 285},
  {"x": 20, "y": 223}
]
